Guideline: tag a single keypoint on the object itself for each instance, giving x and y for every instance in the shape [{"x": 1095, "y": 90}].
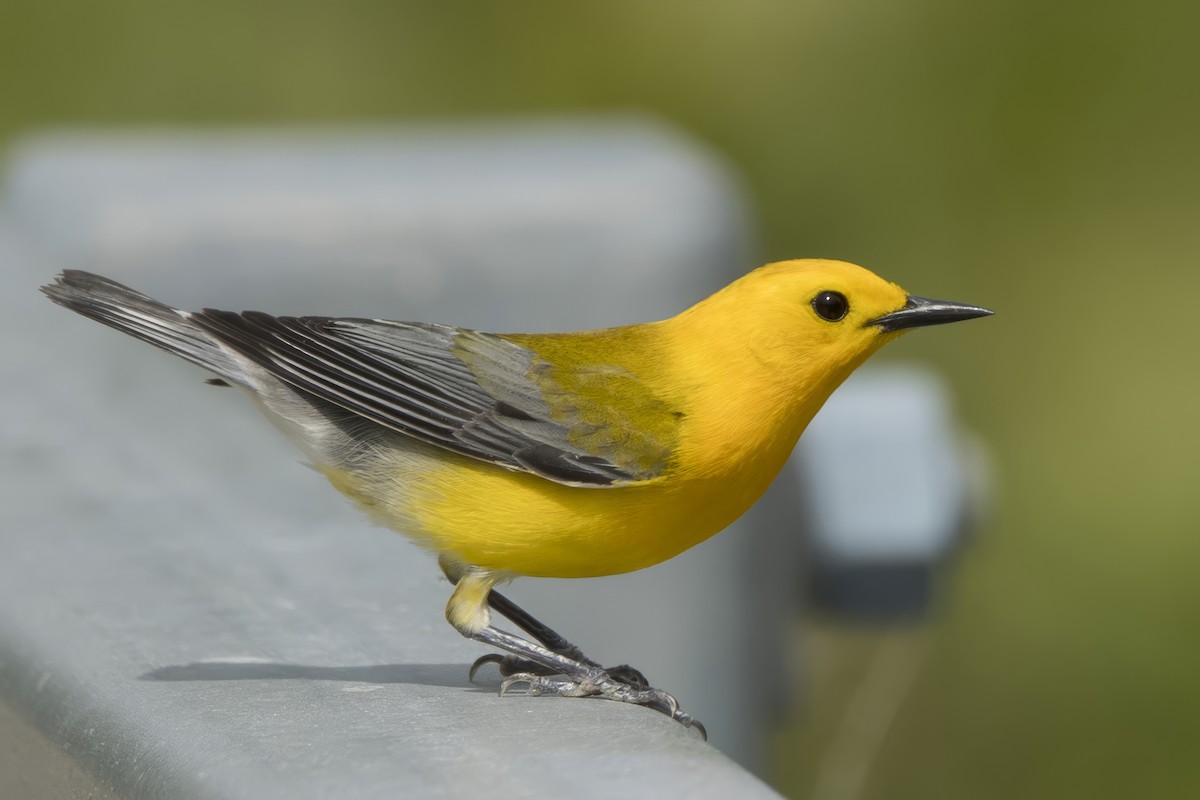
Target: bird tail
[{"x": 134, "y": 313}]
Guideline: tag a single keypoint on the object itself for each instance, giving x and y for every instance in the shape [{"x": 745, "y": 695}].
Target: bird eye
[{"x": 831, "y": 306}]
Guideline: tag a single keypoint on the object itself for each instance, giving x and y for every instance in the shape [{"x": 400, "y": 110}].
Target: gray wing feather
[
  {"x": 407, "y": 377},
  {"x": 132, "y": 312}
]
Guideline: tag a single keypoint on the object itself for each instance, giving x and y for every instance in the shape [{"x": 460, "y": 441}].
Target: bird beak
[{"x": 921, "y": 311}]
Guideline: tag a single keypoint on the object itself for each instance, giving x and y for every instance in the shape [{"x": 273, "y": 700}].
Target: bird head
[{"x": 819, "y": 319}]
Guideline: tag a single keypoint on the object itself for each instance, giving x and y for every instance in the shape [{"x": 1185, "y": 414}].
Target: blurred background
[{"x": 1040, "y": 159}]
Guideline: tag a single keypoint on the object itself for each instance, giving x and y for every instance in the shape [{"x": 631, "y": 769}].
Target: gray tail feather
[{"x": 147, "y": 319}]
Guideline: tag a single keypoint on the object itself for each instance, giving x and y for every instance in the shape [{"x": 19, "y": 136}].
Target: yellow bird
[{"x": 559, "y": 455}]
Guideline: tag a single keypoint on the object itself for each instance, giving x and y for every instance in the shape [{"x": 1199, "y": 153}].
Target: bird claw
[
  {"x": 692, "y": 722},
  {"x": 603, "y": 685},
  {"x": 508, "y": 683},
  {"x": 507, "y": 664},
  {"x": 490, "y": 658}
]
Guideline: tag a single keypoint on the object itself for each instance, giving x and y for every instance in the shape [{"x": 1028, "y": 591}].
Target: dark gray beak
[{"x": 921, "y": 311}]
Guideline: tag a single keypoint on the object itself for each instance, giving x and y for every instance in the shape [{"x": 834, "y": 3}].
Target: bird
[{"x": 566, "y": 455}]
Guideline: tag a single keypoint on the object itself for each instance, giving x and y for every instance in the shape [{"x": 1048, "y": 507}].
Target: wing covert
[{"x": 472, "y": 393}]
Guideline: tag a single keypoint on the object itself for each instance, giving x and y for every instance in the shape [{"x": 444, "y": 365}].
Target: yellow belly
[
  {"x": 483, "y": 515},
  {"x": 524, "y": 524}
]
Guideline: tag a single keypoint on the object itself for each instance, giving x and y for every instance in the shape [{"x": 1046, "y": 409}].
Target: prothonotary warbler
[{"x": 563, "y": 455}]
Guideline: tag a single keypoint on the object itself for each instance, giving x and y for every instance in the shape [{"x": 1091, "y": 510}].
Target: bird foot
[
  {"x": 606, "y": 686},
  {"x": 512, "y": 665}
]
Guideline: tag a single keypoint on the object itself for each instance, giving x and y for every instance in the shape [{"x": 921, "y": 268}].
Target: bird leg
[
  {"x": 512, "y": 665},
  {"x": 469, "y": 611}
]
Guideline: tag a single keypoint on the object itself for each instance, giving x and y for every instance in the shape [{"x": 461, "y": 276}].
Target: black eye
[{"x": 830, "y": 305}]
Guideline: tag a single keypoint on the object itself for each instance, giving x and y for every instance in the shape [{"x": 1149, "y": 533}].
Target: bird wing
[{"x": 472, "y": 393}]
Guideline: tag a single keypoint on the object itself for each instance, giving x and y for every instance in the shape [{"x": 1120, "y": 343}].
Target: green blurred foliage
[{"x": 1038, "y": 158}]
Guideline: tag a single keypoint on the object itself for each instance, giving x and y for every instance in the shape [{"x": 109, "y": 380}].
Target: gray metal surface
[
  {"x": 188, "y": 612},
  {"x": 558, "y": 225}
]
